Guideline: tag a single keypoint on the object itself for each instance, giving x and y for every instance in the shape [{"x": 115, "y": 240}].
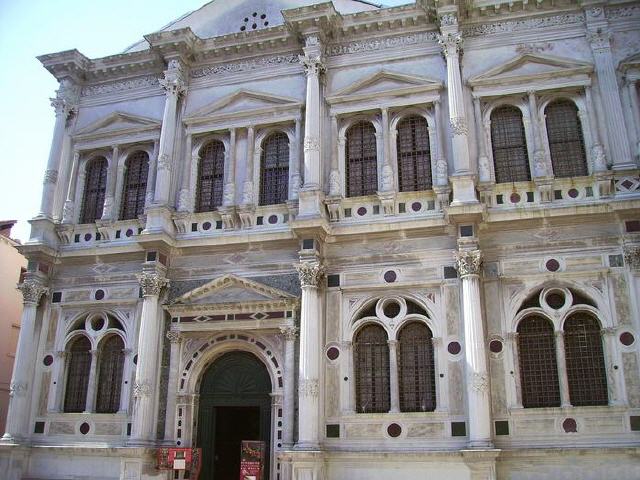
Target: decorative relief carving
[
  {"x": 32, "y": 292},
  {"x": 311, "y": 144},
  {"x": 441, "y": 171},
  {"x": 448, "y": 19},
  {"x": 151, "y": 283},
  {"x": 164, "y": 163},
  {"x": 50, "y": 176},
  {"x": 244, "y": 66},
  {"x": 387, "y": 178},
  {"x": 468, "y": 262},
  {"x": 632, "y": 256},
  {"x": 122, "y": 86},
  {"x": 451, "y": 44},
  {"x": 310, "y": 273},
  {"x": 17, "y": 389},
  {"x": 229, "y": 193},
  {"x": 540, "y": 164},
  {"x": 141, "y": 389},
  {"x": 479, "y": 381},
  {"x": 308, "y": 388},
  {"x": 289, "y": 333},
  {"x": 334, "y": 183},
  {"x": 599, "y": 39},
  {"x": 371, "y": 45},
  {"x": 174, "y": 81},
  {"x": 621, "y": 12},
  {"x": 525, "y": 48},
  {"x": 595, "y": 12},
  {"x": 276, "y": 400},
  {"x": 312, "y": 64},
  {"x": 599, "y": 158},
  {"x": 520, "y": 25},
  {"x": 458, "y": 126},
  {"x": 173, "y": 336},
  {"x": 247, "y": 194}
]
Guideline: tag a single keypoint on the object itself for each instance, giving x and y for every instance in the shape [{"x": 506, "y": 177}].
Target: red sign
[
  {"x": 251, "y": 460},
  {"x": 180, "y": 459}
]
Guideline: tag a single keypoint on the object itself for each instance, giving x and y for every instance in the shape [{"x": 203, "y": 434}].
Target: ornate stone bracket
[
  {"x": 468, "y": 262},
  {"x": 310, "y": 273}
]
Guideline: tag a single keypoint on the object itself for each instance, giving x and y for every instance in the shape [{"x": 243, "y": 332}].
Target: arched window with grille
[
  {"x": 509, "y": 145},
  {"x": 371, "y": 351},
  {"x": 210, "y": 177},
  {"x": 110, "y": 367},
  {"x": 586, "y": 372},
  {"x": 95, "y": 185},
  {"x": 78, "y": 366},
  {"x": 135, "y": 185},
  {"x": 566, "y": 144},
  {"x": 538, "y": 363},
  {"x": 416, "y": 368},
  {"x": 361, "y": 158},
  {"x": 414, "y": 154},
  {"x": 274, "y": 169}
]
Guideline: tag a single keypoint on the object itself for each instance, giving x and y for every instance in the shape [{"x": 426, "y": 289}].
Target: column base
[
  {"x": 43, "y": 230},
  {"x": 159, "y": 221},
  {"x": 311, "y": 204},
  {"x": 464, "y": 190}
]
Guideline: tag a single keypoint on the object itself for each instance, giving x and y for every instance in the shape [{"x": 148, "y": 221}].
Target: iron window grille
[
  {"x": 416, "y": 369},
  {"x": 94, "y": 190},
  {"x": 371, "y": 352},
  {"x": 538, "y": 363},
  {"x": 110, "y": 370},
  {"x": 210, "y": 177},
  {"x": 274, "y": 169},
  {"x": 509, "y": 145},
  {"x": 361, "y": 155},
  {"x": 78, "y": 367},
  {"x": 414, "y": 155},
  {"x": 135, "y": 185},
  {"x": 566, "y": 143},
  {"x": 586, "y": 372}
]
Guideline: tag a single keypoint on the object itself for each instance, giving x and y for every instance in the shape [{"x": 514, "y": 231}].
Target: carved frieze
[
  {"x": 521, "y": 25},
  {"x": 374, "y": 44},
  {"x": 632, "y": 256},
  {"x": 236, "y": 67},
  {"x": 120, "y": 86}
]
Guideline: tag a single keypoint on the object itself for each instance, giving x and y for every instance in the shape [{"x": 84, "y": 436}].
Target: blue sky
[{"x": 35, "y": 27}]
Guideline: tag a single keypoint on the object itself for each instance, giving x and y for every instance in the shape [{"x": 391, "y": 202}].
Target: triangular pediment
[
  {"x": 531, "y": 66},
  {"x": 232, "y": 289},
  {"x": 384, "y": 82},
  {"x": 119, "y": 122},
  {"x": 242, "y": 102}
]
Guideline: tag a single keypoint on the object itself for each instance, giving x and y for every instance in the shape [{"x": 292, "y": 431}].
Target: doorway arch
[{"x": 234, "y": 405}]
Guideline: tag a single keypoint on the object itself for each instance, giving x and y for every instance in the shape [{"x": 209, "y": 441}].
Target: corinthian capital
[
  {"x": 151, "y": 283},
  {"x": 310, "y": 273},
  {"x": 451, "y": 44},
  {"x": 313, "y": 64},
  {"x": 174, "y": 81},
  {"x": 468, "y": 262},
  {"x": 632, "y": 256},
  {"x": 289, "y": 333},
  {"x": 32, "y": 292}
]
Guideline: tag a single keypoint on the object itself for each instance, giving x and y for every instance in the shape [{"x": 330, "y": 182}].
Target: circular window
[
  {"x": 390, "y": 276},
  {"x": 333, "y": 353},
  {"x": 48, "y": 360},
  {"x": 99, "y": 295},
  {"x": 84, "y": 428},
  {"x": 97, "y": 323},
  {"x": 627, "y": 339},
  {"x": 495, "y": 346},
  {"x": 391, "y": 309},
  {"x": 555, "y": 300},
  {"x": 394, "y": 430},
  {"x": 454, "y": 348},
  {"x": 552, "y": 265},
  {"x": 570, "y": 425}
]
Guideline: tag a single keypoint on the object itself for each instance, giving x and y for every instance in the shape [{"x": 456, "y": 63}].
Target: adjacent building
[{"x": 388, "y": 242}]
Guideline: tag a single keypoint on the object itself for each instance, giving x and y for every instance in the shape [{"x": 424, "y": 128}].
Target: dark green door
[{"x": 235, "y": 405}]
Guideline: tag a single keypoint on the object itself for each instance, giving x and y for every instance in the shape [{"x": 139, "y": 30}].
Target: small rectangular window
[
  {"x": 56, "y": 297},
  {"x": 632, "y": 226},
  {"x": 39, "y": 427},
  {"x": 458, "y": 429},
  {"x": 333, "y": 280},
  {"x": 450, "y": 272},
  {"x": 502, "y": 427},
  {"x": 333, "y": 431}
]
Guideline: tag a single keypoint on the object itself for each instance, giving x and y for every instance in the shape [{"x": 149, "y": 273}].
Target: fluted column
[
  {"x": 172, "y": 387},
  {"x": 20, "y": 389},
  {"x": 335, "y": 180},
  {"x": 540, "y": 166},
  {"x": 296, "y": 178},
  {"x": 64, "y": 105},
  {"x": 108, "y": 210},
  {"x": 69, "y": 209},
  {"x": 151, "y": 181},
  {"x": 468, "y": 263},
  {"x": 311, "y": 274},
  {"x": 442, "y": 168},
  {"x": 634, "y": 106},
  {"x": 290, "y": 334},
  {"x": 144, "y": 390},
  {"x": 393, "y": 378},
  {"x": 174, "y": 83},
  {"x": 597, "y": 150}
]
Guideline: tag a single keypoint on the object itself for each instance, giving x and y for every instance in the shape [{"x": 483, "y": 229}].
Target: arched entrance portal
[{"x": 235, "y": 405}]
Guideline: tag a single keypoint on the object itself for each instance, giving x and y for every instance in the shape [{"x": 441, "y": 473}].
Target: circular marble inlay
[
  {"x": 394, "y": 430},
  {"x": 333, "y": 353},
  {"x": 573, "y": 193},
  {"x": 97, "y": 323},
  {"x": 454, "y": 348},
  {"x": 129, "y": 233},
  {"x": 555, "y": 300},
  {"x": 552, "y": 265},
  {"x": 627, "y": 338},
  {"x": 391, "y": 309},
  {"x": 99, "y": 295},
  {"x": 570, "y": 425},
  {"x": 84, "y": 428},
  {"x": 87, "y": 237},
  {"x": 272, "y": 219},
  {"x": 515, "y": 197},
  {"x": 390, "y": 276},
  {"x": 362, "y": 211},
  {"x": 416, "y": 206},
  {"x": 206, "y": 226},
  {"x": 48, "y": 360},
  {"x": 495, "y": 346}
]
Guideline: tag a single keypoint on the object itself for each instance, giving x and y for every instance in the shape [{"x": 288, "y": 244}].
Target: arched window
[
  {"x": 509, "y": 144},
  {"x": 210, "y": 177},
  {"x": 584, "y": 355},
  {"x": 538, "y": 364},
  {"x": 416, "y": 369},
  {"x": 371, "y": 352},
  {"x": 94, "y": 189},
  {"x": 135, "y": 185},
  {"x": 111, "y": 364},
  {"x": 565, "y": 139},
  {"x": 361, "y": 160},
  {"x": 78, "y": 367},
  {"x": 414, "y": 155},
  {"x": 274, "y": 169}
]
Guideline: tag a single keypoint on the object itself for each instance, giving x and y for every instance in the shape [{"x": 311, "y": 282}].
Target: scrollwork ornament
[
  {"x": 632, "y": 256},
  {"x": 458, "y": 126},
  {"x": 451, "y": 44},
  {"x": 151, "y": 283},
  {"x": 468, "y": 262},
  {"x": 141, "y": 389},
  {"x": 479, "y": 381},
  {"x": 308, "y": 388},
  {"x": 17, "y": 389},
  {"x": 173, "y": 336},
  {"x": 310, "y": 273},
  {"x": 289, "y": 333},
  {"x": 32, "y": 292},
  {"x": 312, "y": 64}
]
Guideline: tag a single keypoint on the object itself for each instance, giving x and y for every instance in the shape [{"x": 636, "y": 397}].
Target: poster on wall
[{"x": 251, "y": 460}]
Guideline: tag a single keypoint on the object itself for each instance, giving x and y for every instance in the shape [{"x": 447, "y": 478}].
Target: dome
[{"x": 221, "y": 17}]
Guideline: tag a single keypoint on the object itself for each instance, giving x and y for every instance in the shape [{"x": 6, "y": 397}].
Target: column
[
  {"x": 229, "y": 193},
  {"x": 126, "y": 377},
  {"x": 632, "y": 90},
  {"x": 175, "y": 339},
  {"x": 54, "y": 403},
  {"x": 144, "y": 390},
  {"x": 151, "y": 181},
  {"x": 64, "y": 105},
  {"x": 387, "y": 171},
  {"x": 186, "y": 188},
  {"x": 483, "y": 161},
  {"x": 442, "y": 169},
  {"x": 289, "y": 333},
  {"x": 393, "y": 378},
  {"x": 69, "y": 209},
  {"x": 599, "y": 36},
  {"x": 174, "y": 83},
  {"x": 108, "y": 212},
  {"x": 335, "y": 182},
  {"x": 20, "y": 388},
  {"x": 247, "y": 194},
  {"x": 562, "y": 371},
  {"x": 90, "y": 404},
  {"x": 477, "y": 382},
  {"x": 296, "y": 180},
  {"x": 597, "y": 150},
  {"x": 311, "y": 274}
]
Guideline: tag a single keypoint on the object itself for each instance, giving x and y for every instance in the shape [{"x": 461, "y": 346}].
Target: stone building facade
[{"x": 390, "y": 242}]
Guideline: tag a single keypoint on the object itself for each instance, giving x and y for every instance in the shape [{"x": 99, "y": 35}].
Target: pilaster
[{"x": 289, "y": 333}]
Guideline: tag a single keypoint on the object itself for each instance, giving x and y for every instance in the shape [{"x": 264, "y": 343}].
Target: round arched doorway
[{"x": 235, "y": 405}]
